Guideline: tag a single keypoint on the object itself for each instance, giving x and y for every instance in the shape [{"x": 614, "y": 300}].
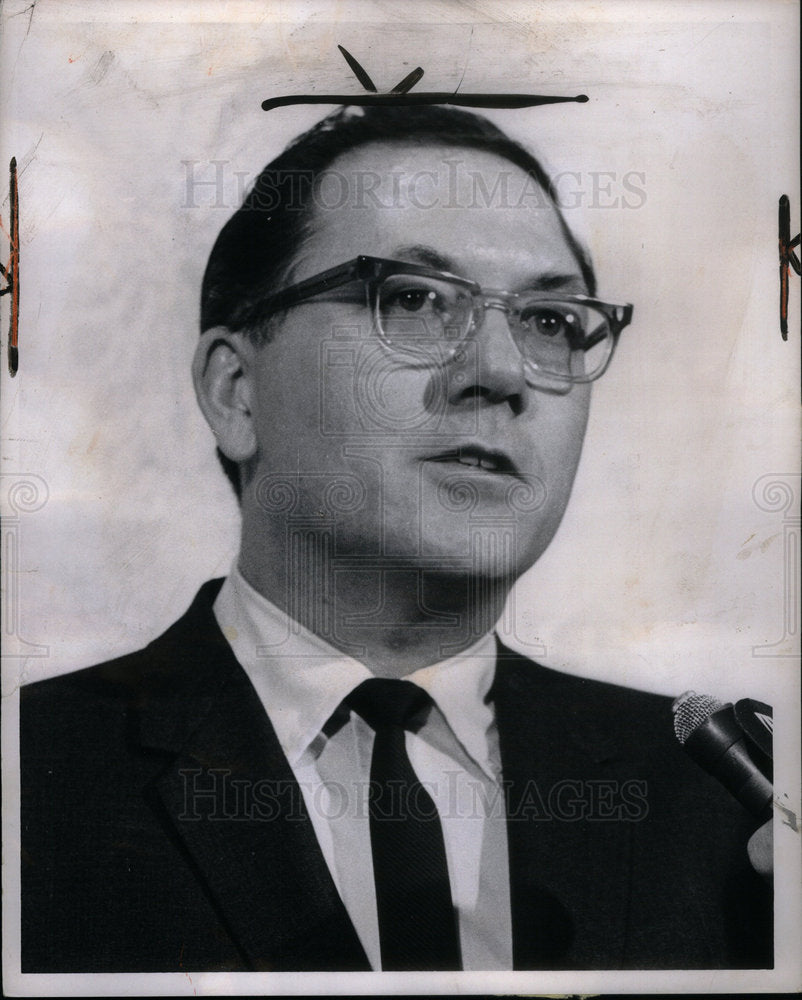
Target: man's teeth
[
  {"x": 474, "y": 460},
  {"x": 489, "y": 462}
]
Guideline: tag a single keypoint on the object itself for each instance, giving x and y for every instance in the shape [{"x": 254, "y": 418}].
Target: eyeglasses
[{"x": 420, "y": 312}]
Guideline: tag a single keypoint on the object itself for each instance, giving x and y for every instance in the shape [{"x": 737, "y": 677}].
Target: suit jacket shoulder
[
  {"x": 622, "y": 849},
  {"x": 162, "y": 827}
]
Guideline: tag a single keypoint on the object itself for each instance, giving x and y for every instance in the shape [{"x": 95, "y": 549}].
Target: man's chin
[{"x": 491, "y": 548}]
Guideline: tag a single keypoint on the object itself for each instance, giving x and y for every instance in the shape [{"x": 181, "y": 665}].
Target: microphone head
[{"x": 691, "y": 710}]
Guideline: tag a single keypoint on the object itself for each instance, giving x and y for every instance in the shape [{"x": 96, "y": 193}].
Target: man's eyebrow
[
  {"x": 550, "y": 280},
  {"x": 419, "y": 253},
  {"x": 546, "y": 281}
]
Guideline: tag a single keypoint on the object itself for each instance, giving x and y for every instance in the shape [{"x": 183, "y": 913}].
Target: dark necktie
[{"x": 417, "y": 921}]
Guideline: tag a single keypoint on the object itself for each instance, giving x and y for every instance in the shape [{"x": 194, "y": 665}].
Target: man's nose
[{"x": 492, "y": 367}]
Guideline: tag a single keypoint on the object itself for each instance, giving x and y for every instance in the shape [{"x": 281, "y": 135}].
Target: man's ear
[{"x": 222, "y": 371}]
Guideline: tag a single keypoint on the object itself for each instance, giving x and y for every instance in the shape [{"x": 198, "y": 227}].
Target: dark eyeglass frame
[{"x": 373, "y": 270}]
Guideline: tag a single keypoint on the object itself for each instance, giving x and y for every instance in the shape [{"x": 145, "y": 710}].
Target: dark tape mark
[
  {"x": 359, "y": 71},
  {"x": 399, "y": 96},
  {"x": 787, "y": 257},
  {"x": 408, "y": 100},
  {"x": 11, "y": 273},
  {"x": 408, "y": 82}
]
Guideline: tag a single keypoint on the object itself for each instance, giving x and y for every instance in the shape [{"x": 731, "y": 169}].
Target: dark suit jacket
[{"x": 623, "y": 853}]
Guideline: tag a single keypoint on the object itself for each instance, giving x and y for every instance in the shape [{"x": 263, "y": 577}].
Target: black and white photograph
[{"x": 400, "y": 497}]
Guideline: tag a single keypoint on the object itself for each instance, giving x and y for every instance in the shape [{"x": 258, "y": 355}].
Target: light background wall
[{"x": 669, "y": 568}]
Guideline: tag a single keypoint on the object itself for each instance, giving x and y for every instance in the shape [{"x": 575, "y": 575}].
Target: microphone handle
[{"x": 718, "y": 745}]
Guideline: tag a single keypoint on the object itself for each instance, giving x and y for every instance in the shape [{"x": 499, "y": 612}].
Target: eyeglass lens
[{"x": 566, "y": 339}]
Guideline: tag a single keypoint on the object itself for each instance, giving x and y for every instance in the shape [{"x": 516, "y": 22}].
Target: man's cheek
[{"x": 369, "y": 391}]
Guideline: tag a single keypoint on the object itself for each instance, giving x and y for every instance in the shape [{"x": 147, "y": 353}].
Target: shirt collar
[
  {"x": 459, "y": 686},
  {"x": 301, "y": 679}
]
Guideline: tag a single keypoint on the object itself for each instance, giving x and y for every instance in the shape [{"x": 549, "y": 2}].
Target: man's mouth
[{"x": 477, "y": 457}]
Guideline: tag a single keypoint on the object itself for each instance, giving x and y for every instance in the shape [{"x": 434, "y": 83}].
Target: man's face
[{"x": 456, "y": 463}]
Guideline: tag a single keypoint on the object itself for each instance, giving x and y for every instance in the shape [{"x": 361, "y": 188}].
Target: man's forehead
[
  {"x": 459, "y": 209},
  {"x": 403, "y": 166}
]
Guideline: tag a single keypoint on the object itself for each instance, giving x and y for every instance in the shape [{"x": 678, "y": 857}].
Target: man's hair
[{"x": 255, "y": 251}]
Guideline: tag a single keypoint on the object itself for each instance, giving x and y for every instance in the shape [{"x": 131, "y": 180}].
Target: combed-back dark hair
[{"x": 256, "y": 248}]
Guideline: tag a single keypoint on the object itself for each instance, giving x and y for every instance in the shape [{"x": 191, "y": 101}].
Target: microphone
[{"x": 713, "y": 737}]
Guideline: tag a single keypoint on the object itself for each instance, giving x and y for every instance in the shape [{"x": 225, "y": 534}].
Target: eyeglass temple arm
[
  {"x": 333, "y": 278},
  {"x": 592, "y": 340}
]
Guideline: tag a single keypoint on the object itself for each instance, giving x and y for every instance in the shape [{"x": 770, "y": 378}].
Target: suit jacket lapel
[
  {"x": 233, "y": 803},
  {"x": 568, "y": 864}
]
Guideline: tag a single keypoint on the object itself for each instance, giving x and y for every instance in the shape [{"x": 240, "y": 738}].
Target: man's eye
[
  {"x": 412, "y": 299},
  {"x": 549, "y": 323}
]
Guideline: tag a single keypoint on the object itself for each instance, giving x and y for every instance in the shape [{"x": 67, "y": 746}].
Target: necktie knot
[{"x": 386, "y": 702}]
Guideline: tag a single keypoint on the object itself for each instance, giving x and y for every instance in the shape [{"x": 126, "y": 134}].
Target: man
[{"x": 398, "y": 384}]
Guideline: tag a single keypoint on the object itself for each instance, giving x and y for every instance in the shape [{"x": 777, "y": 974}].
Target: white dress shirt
[{"x": 302, "y": 681}]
